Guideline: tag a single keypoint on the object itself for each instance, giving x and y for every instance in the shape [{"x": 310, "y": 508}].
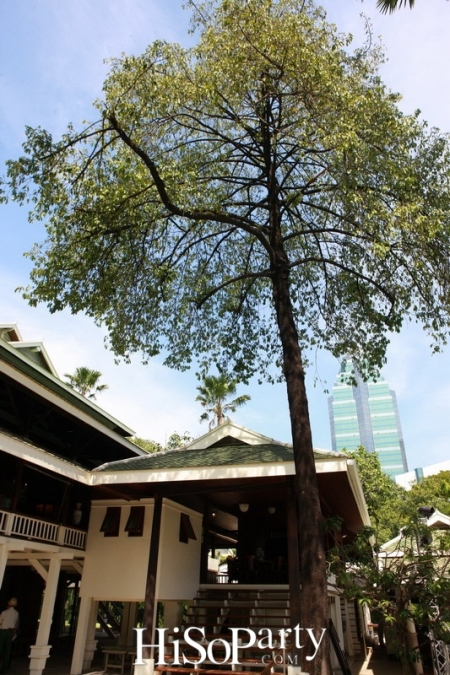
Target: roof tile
[{"x": 214, "y": 456}]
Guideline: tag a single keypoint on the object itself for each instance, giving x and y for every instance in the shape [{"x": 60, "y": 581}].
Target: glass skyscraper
[{"x": 367, "y": 414}]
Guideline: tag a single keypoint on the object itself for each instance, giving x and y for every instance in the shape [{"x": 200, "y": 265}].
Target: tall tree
[
  {"x": 214, "y": 392},
  {"x": 241, "y": 200},
  {"x": 86, "y": 381}
]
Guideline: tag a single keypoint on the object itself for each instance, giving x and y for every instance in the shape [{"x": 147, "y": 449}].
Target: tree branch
[
  {"x": 251, "y": 275},
  {"x": 227, "y": 219}
]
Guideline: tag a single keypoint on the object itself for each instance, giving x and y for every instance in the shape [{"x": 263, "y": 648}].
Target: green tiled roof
[{"x": 213, "y": 456}]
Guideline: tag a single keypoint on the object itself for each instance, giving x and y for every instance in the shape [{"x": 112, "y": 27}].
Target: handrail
[
  {"x": 29, "y": 527},
  {"x": 340, "y": 654}
]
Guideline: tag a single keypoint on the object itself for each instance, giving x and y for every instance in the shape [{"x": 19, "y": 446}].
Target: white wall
[
  {"x": 406, "y": 480},
  {"x": 115, "y": 568},
  {"x": 179, "y": 563}
]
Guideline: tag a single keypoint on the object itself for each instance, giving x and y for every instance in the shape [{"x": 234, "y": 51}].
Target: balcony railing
[{"x": 27, "y": 527}]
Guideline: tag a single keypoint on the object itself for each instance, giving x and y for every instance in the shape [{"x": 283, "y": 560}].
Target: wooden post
[
  {"x": 85, "y": 642},
  {"x": 3, "y": 561},
  {"x": 17, "y": 485},
  {"x": 293, "y": 562},
  {"x": 205, "y": 545},
  {"x": 41, "y": 650},
  {"x": 150, "y": 606}
]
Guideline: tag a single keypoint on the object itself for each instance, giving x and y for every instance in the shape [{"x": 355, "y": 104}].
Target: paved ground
[{"x": 377, "y": 663}]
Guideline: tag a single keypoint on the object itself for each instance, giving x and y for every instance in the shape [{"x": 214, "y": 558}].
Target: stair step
[
  {"x": 213, "y": 635},
  {"x": 221, "y": 610},
  {"x": 238, "y": 605},
  {"x": 205, "y": 671},
  {"x": 244, "y": 596},
  {"x": 217, "y": 611}
]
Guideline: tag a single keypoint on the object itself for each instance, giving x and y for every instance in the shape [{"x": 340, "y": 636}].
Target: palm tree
[
  {"x": 389, "y": 6},
  {"x": 85, "y": 381},
  {"x": 214, "y": 390}
]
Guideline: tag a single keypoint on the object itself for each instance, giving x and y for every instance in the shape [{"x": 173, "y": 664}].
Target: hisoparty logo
[{"x": 240, "y": 639}]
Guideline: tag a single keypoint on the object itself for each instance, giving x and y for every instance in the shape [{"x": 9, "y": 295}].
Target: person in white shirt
[{"x": 9, "y": 620}]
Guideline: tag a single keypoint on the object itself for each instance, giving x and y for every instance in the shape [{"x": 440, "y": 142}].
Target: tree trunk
[{"x": 313, "y": 612}]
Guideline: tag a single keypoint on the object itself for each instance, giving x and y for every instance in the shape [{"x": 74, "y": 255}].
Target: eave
[{"x": 49, "y": 387}]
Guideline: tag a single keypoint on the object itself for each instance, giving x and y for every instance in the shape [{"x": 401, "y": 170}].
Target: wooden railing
[
  {"x": 340, "y": 654},
  {"x": 28, "y": 527}
]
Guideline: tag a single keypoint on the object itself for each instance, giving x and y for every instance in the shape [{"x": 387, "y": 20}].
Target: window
[
  {"x": 135, "y": 522},
  {"x": 186, "y": 529},
  {"x": 111, "y": 522}
]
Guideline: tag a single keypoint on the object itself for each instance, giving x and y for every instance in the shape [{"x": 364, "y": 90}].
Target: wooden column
[
  {"x": 3, "y": 561},
  {"x": 150, "y": 605},
  {"x": 205, "y": 545},
  {"x": 293, "y": 559},
  {"x": 41, "y": 650},
  {"x": 85, "y": 634},
  {"x": 17, "y": 485}
]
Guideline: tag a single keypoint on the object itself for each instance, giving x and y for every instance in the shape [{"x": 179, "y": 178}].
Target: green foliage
[
  {"x": 177, "y": 440},
  {"x": 146, "y": 444},
  {"x": 407, "y": 577},
  {"x": 174, "y": 441},
  {"x": 384, "y": 498},
  {"x": 431, "y": 491},
  {"x": 390, "y": 506},
  {"x": 85, "y": 381},
  {"x": 161, "y": 215},
  {"x": 402, "y": 582},
  {"x": 214, "y": 391}
]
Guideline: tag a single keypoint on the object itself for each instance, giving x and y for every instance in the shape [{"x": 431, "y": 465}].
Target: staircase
[
  {"x": 110, "y": 617},
  {"x": 218, "y": 611}
]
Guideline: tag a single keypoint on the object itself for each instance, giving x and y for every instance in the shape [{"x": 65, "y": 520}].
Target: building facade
[
  {"x": 93, "y": 529},
  {"x": 366, "y": 413}
]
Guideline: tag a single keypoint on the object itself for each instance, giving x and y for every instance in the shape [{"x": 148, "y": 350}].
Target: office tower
[{"x": 367, "y": 414}]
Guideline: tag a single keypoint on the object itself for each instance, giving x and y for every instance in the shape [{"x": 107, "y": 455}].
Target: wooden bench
[{"x": 115, "y": 659}]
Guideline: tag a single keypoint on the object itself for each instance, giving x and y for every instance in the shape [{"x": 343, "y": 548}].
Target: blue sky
[{"x": 52, "y": 65}]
